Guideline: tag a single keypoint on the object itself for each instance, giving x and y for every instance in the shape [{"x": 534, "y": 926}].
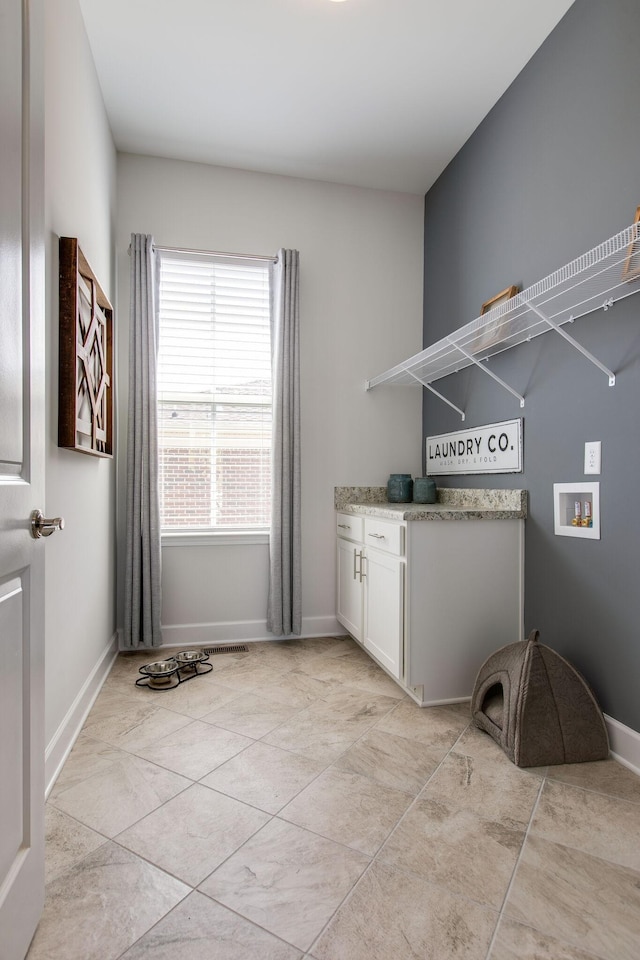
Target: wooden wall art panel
[{"x": 85, "y": 405}]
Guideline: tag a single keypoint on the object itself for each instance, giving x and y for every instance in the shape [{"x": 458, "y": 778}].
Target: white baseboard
[
  {"x": 242, "y": 631},
  {"x": 59, "y": 747},
  {"x": 624, "y": 744}
]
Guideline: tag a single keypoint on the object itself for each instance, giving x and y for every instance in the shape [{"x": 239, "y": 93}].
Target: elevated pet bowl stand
[{"x": 170, "y": 673}]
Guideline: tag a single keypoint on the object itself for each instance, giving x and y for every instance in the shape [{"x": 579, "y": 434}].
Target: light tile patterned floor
[{"x": 294, "y": 803}]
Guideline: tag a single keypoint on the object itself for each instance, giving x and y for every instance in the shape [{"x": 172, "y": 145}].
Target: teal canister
[
  {"x": 424, "y": 490},
  {"x": 399, "y": 488}
]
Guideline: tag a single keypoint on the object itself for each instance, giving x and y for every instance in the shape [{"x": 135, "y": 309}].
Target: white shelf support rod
[
  {"x": 470, "y": 356},
  {"x": 438, "y": 395},
  {"x": 585, "y": 353}
]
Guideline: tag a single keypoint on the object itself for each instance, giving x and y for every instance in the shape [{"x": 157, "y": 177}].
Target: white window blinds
[{"x": 214, "y": 393}]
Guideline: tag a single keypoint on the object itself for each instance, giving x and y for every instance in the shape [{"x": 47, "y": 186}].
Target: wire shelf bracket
[
  {"x": 438, "y": 395},
  {"x": 489, "y": 373},
  {"x": 596, "y": 280},
  {"x": 574, "y": 343}
]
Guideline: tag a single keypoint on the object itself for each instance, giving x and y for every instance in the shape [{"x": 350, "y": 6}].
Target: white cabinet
[
  {"x": 430, "y": 600},
  {"x": 384, "y": 609},
  {"x": 370, "y": 581},
  {"x": 350, "y": 587}
]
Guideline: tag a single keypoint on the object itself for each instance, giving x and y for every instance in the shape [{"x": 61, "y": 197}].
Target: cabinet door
[
  {"x": 384, "y": 610},
  {"x": 349, "y": 605}
]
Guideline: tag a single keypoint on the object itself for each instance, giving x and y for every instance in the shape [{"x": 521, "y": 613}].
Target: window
[{"x": 214, "y": 394}]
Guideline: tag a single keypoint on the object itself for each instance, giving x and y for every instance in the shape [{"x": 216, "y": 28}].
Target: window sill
[{"x": 209, "y": 538}]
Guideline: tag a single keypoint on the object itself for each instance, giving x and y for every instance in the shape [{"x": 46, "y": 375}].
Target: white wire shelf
[{"x": 596, "y": 280}]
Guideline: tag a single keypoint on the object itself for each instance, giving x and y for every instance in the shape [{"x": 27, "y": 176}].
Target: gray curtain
[
  {"x": 284, "y": 610},
  {"x": 142, "y": 562}
]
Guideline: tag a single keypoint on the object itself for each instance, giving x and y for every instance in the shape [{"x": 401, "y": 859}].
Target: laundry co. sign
[{"x": 495, "y": 448}]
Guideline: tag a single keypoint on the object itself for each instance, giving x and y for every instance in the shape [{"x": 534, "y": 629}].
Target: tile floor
[{"x": 294, "y": 803}]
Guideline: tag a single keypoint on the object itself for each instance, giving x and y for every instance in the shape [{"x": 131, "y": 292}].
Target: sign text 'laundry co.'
[{"x": 495, "y": 448}]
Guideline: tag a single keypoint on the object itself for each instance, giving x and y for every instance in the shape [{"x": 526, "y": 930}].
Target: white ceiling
[{"x": 377, "y": 93}]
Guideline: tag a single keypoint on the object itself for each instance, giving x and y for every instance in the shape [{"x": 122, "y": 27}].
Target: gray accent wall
[{"x": 551, "y": 172}]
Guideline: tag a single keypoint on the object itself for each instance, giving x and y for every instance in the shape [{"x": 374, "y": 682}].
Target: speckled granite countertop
[{"x": 453, "y": 504}]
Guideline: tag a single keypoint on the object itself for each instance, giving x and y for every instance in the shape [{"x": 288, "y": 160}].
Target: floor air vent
[{"x": 230, "y": 648}]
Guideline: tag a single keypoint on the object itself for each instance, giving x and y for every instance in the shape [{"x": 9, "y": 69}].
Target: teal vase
[
  {"x": 424, "y": 490},
  {"x": 399, "y": 488}
]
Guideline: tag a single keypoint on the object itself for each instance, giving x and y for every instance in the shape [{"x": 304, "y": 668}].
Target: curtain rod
[{"x": 216, "y": 253}]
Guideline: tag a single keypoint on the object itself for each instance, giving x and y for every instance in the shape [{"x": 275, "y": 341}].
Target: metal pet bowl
[
  {"x": 161, "y": 674},
  {"x": 190, "y": 656},
  {"x": 161, "y": 668}
]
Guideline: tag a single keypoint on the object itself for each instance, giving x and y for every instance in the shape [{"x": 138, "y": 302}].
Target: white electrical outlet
[{"x": 592, "y": 456}]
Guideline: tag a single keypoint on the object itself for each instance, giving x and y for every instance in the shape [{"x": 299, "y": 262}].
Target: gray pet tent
[{"x": 538, "y": 707}]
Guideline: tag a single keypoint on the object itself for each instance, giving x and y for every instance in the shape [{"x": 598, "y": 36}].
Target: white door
[
  {"x": 349, "y": 605},
  {"x": 21, "y": 477},
  {"x": 384, "y": 610}
]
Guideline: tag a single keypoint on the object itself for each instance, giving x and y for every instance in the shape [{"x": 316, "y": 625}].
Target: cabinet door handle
[
  {"x": 377, "y": 536},
  {"x": 362, "y": 560},
  {"x": 355, "y": 572}
]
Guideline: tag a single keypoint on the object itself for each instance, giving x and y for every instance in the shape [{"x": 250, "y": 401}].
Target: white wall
[
  {"x": 80, "y": 177},
  {"x": 361, "y": 309}
]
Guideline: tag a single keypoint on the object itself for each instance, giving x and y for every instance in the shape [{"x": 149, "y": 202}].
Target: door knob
[{"x": 41, "y": 527}]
